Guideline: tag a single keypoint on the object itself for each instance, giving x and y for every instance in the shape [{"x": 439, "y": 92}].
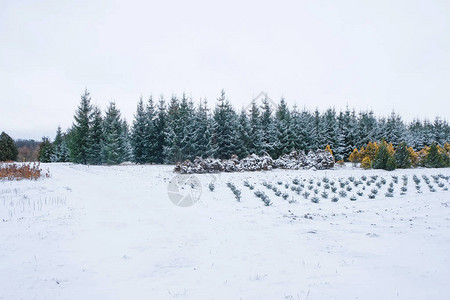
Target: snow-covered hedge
[{"x": 318, "y": 159}]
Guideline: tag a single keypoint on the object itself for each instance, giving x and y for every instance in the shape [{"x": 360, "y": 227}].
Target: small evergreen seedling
[
  {"x": 395, "y": 179},
  {"x": 315, "y": 199},
  {"x": 342, "y": 193},
  {"x": 374, "y": 191},
  {"x": 305, "y": 195},
  {"x": 334, "y": 189},
  {"x": 359, "y": 193},
  {"x": 334, "y": 199},
  {"x": 371, "y": 196},
  {"x": 353, "y": 198},
  {"x": 285, "y": 196},
  {"x": 324, "y": 195},
  {"x": 211, "y": 187},
  {"x": 349, "y": 188},
  {"x": 389, "y": 195}
]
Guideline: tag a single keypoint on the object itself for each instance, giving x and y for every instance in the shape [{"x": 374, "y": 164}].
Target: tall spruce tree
[
  {"x": 283, "y": 123},
  {"x": 202, "y": 131},
  {"x": 79, "y": 137},
  {"x": 160, "y": 123},
  {"x": 244, "y": 140},
  {"x": 60, "y": 150},
  {"x": 256, "y": 133},
  {"x": 138, "y": 134},
  {"x": 174, "y": 132},
  {"x": 95, "y": 138},
  {"x": 224, "y": 129},
  {"x": 270, "y": 135},
  {"x": 402, "y": 156},
  {"x": 45, "y": 150},
  {"x": 113, "y": 146}
]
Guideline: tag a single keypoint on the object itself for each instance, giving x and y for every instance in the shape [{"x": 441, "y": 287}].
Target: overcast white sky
[{"x": 384, "y": 55}]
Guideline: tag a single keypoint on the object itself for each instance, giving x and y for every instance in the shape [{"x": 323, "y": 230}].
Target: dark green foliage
[
  {"x": 391, "y": 164},
  {"x": 60, "y": 149},
  {"x": 138, "y": 134},
  {"x": 383, "y": 159},
  {"x": 184, "y": 131},
  {"x": 113, "y": 146},
  {"x": 402, "y": 156},
  {"x": 8, "y": 149},
  {"x": 95, "y": 138},
  {"x": 79, "y": 134},
  {"x": 434, "y": 159},
  {"x": 224, "y": 129},
  {"x": 45, "y": 150}
]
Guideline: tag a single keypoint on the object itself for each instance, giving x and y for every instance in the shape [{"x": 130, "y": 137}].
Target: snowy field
[{"x": 97, "y": 232}]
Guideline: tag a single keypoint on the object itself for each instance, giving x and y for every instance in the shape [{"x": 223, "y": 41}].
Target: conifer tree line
[{"x": 164, "y": 132}]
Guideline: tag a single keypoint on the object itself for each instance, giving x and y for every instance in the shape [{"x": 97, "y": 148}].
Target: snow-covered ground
[{"x": 98, "y": 232}]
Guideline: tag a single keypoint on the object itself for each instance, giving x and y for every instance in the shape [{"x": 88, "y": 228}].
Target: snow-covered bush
[{"x": 318, "y": 159}]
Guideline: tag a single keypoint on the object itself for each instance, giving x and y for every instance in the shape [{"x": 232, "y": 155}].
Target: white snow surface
[{"x": 111, "y": 232}]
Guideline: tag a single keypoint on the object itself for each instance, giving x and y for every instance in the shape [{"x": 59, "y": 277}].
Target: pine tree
[
  {"x": 160, "y": 124},
  {"x": 244, "y": 139},
  {"x": 416, "y": 137},
  {"x": 60, "y": 150},
  {"x": 138, "y": 134},
  {"x": 402, "y": 156},
  {"x": 45, "y": 150},
  {"x": 8, "y": 149},
  {"x": 315, "y": 133},
  {"x": 394, "y": 131},
  {"x": 434, "y": 158},
  {"x": 303, "y": 128},
  {"x": 224, "y": 129},
  {"x": 383, "y": 159},
  {"x": 126, "y": 140},
  {"x": 367, "y": 129},
  {"x": 79, "y": 136},
  {"x": 328, "y": 129},
  {"x": 346, "y": 138},
  {"x": 256, "y": 133},
  {"x": 173, "y": 132},
  {"x": 202, "y": 131},
  {"x": 270, "y": 142},
  {"x": 283, "y": 124},
  {"x": 95, "y": 138},
  {"x": 113, "y": 147},
  {"x": 188, "y": 125}
]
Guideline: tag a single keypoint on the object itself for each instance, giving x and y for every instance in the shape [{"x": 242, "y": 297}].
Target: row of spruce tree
[{"x": 180, "y": 129}]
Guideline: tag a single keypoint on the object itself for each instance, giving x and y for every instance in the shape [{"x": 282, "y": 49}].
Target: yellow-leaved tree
[{"x": 355, "y": 157}]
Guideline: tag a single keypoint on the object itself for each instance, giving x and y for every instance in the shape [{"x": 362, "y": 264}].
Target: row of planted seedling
[{"x": 309, "y": 187}]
